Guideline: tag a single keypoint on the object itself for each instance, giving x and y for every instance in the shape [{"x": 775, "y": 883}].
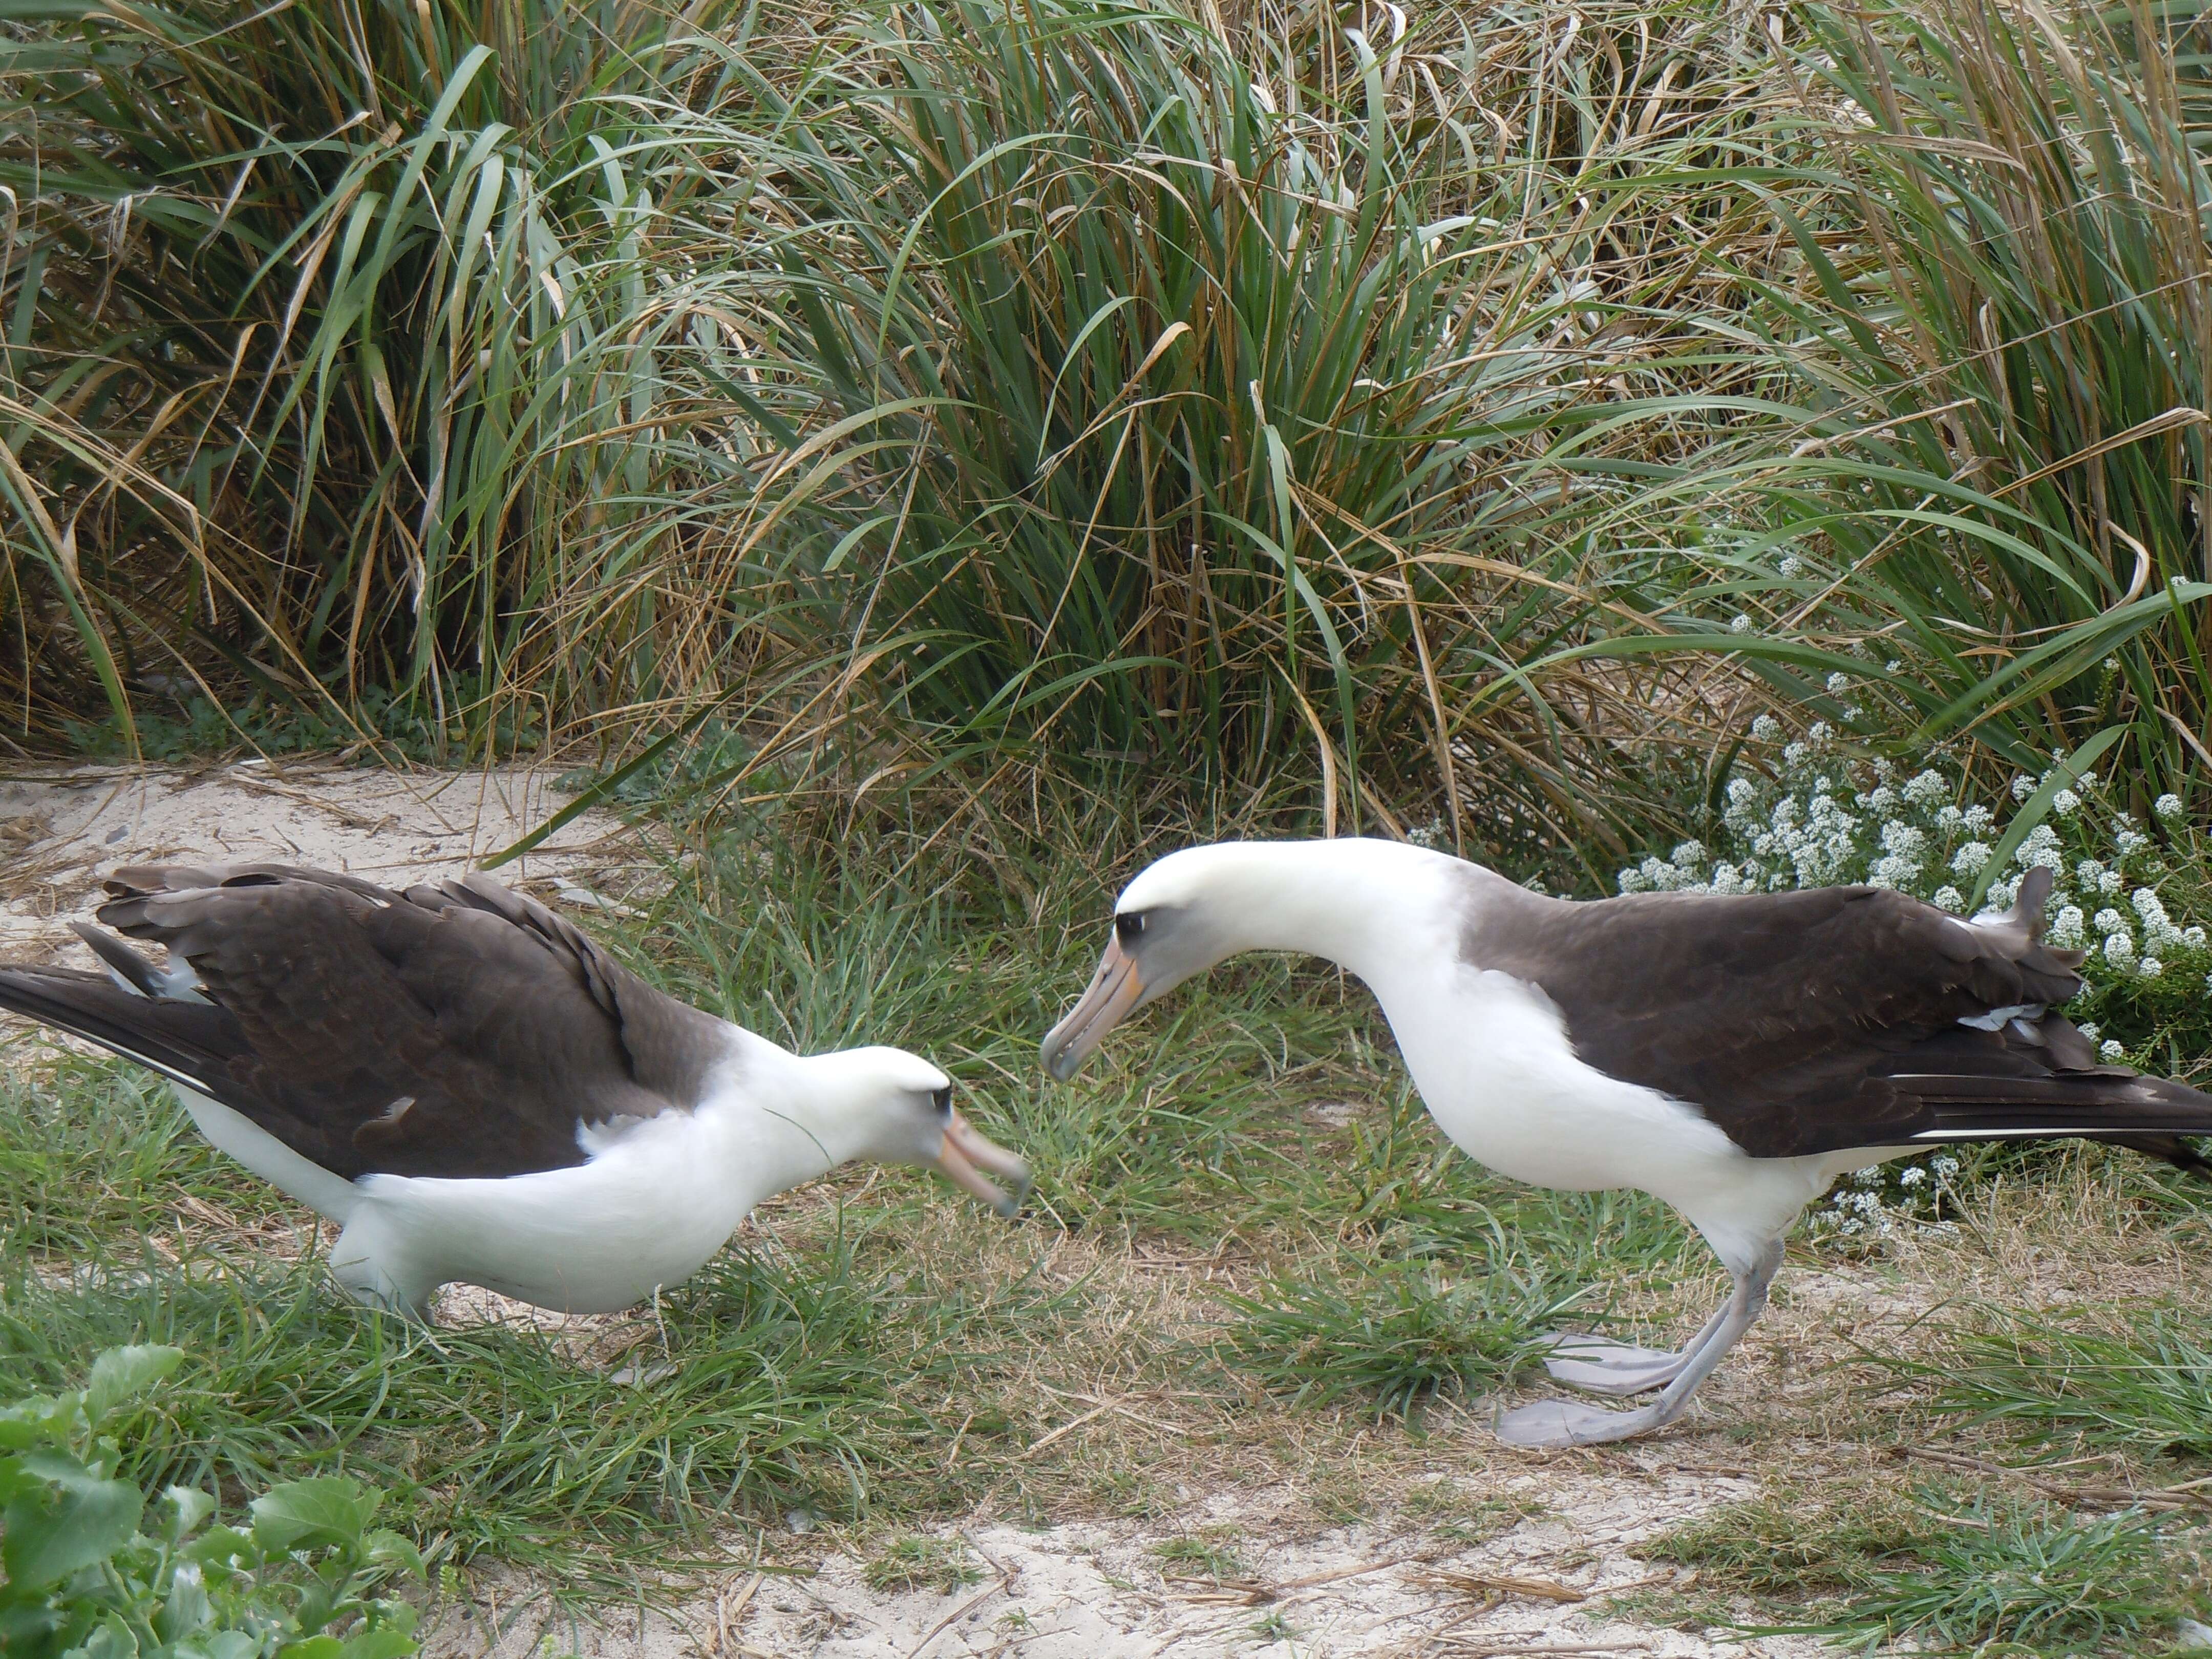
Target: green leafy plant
[{"x": 92, "y": 1568}]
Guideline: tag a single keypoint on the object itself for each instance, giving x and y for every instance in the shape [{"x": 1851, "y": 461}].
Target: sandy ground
[
  {"x": 1096, "y": 1591},
  {"x": 1083, "y": 1588},
  {"x": 61, "y": 828}
]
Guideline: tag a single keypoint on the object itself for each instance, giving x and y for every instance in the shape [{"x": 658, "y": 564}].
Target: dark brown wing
[
  {"x": 461, "y": 1029},
  {"x": 1814, "y": 1021}
]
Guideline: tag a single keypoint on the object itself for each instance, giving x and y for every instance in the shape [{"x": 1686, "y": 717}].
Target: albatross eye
[
  {"x": 942, "y": 1099},
  {"x": 1129, "y": 928}
]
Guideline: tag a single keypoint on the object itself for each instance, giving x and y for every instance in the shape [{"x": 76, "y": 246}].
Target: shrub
[
  {"x": 1999, "y": 462},
  {"x": 84, "y": 1577},
  {"x": 332, "y": 331}
]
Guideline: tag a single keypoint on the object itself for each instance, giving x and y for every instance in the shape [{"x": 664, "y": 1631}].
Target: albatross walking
[
  {"x": 472, "y": 1088},
  {"x": 1731, "y": 1056}
]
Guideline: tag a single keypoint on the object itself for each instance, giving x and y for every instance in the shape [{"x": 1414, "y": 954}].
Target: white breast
[
  {"x": 646, "y": 1212},
  {"x": 1491, "y": 1057}
]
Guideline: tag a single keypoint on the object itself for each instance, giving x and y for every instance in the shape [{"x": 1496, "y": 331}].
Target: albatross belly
[
  {"x": 1493, "y": 1062},
  {"x": 331, "y": 1196},
  {"x": 646, "y": 1212}
]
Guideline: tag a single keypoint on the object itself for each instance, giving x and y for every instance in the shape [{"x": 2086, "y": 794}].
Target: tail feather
[
  {"x": 2148, "y": 1115},
  {"x": 127, "y": 965},
  {"x": 188, "y": 1042}
]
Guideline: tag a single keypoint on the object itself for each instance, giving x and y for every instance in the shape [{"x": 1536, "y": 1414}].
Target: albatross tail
[
  {"x": 2147, "y": 1115},
  {"x": 188, "y": 1042}
]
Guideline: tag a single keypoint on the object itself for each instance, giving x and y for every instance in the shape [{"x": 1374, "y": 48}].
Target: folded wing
[
  {"x": 1834, "y": 1017},
  {"x": 458, "y": 1030}
]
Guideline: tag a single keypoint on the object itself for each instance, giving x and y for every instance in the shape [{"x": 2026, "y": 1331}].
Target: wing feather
[{"x": 1828, "y": 1019}]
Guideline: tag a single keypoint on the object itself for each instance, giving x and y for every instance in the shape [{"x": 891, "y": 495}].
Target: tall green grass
[
  {"x": 1058, "y": 387},
  {"x": 1995, "y": 360},
  {"x": 1169, "y": 412},
  {"x": 1405, "y": 411},
  {"x": 326, "y": 336}
]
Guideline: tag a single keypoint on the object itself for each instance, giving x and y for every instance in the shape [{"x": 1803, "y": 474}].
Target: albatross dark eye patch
[
  {"x": 1129, "y": 928},
  {"x": 942, "y": 1099}
]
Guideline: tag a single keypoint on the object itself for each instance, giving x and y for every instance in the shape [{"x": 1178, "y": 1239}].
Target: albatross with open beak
[
  {"x": 1730, "y": 1054},
  {"x": 472, "y": 1088}
]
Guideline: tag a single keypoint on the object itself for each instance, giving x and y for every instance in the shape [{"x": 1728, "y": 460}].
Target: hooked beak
[
  {"x": 1114, "y": 989},
  {"x": 963, "y": 1155}
]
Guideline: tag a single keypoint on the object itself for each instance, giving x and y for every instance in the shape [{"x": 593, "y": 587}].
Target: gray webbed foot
[
  {"x": 1548, "y": 1425},
  {"x": 1607, "y": 1367}
]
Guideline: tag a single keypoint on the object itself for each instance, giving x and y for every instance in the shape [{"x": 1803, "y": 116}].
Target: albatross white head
[
  {"x": 1205, "y": 904},
  {"x": 896, "y": 1108}
]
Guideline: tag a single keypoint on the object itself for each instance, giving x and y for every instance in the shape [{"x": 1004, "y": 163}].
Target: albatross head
[
  {"x": 1179, "y": 917},
  {"x": 898, "y": 1108},
  {"x": 1348, "y": 899}
]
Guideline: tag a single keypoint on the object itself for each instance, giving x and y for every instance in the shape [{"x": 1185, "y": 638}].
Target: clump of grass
[
  {"x": 1210, "y": 1550},
  {"x": 324, "y": 328},
  {"x": 1390, "y": 1333},
  {"x": 1886, "y": 1564},
  {"x": 2143, "y": 1383},
  {"x": 2001, "y": 328},
  {"x": 1156, "y": 379},
  {"x": 1994, "y": 1574},
  {"x": 1274, "y": 1626},
  {"x": 921, "y": 1561},
  {"x": 1446, "y": 1511},
  {"x": 1798, "y": 1542}
]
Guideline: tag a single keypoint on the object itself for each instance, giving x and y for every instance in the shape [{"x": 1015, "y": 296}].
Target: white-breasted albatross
[
  {"x": 1731, "y": 1056},
  {"x": 473, "y": 1089}
]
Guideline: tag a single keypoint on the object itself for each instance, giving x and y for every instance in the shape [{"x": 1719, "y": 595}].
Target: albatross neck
[
  {"x": 1374, "y": 908},
  {"x": 798, "y": 1121}
]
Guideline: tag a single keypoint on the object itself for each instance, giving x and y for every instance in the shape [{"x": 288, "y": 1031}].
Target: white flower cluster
[{"x": 1877, "y": 1202}]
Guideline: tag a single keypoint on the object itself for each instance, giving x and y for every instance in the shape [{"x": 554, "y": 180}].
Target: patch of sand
[
  {"x": 64, "y": 828},
  {"x": 1097, "y": 1590}
]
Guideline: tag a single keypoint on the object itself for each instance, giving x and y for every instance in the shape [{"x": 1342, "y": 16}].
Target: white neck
[
  {"x": 1377, "y": 908},
  {"x": 795, "y": 1120}
]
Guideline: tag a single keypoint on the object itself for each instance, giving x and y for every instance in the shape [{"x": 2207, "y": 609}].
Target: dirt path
[
  {"x": 1097, "y": 1590},
  {"x": 61, "y": 827}
]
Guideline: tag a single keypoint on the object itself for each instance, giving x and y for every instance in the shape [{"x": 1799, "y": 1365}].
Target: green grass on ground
[{"x": 1248, "y": 1244}]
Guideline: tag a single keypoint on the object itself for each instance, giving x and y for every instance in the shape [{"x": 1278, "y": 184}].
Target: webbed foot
[
  {"x": 1548, "y": 1425},
  {"x": 1607, "y": 1367}
]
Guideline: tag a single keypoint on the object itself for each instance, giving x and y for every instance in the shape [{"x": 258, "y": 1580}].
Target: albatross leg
[
  {"x": 1604, "y": 1366},
  {"x": 1552, "y": 1423}
]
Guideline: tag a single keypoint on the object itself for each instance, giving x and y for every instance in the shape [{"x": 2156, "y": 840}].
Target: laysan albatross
[
  {"x": 471, "y": 1087},
  {"x": 1730, "y": 1054}
]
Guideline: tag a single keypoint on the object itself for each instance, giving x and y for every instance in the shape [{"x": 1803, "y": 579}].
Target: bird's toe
[{"x": 1548, "y": 1425}]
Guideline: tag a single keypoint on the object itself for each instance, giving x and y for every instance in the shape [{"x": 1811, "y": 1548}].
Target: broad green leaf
[
  {"x": 120, "y": 1373},
  {"x": 328, "y": 1509},
  {"x": 386, "y": 1642},
  {"x": 387, "y": 1549},
  {"x": 77, "y": 1519},
  {"x": 222, "y": 1547},
  {"x": 188, "y": 1610},
  {"x": 188, "y": 1507}
]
